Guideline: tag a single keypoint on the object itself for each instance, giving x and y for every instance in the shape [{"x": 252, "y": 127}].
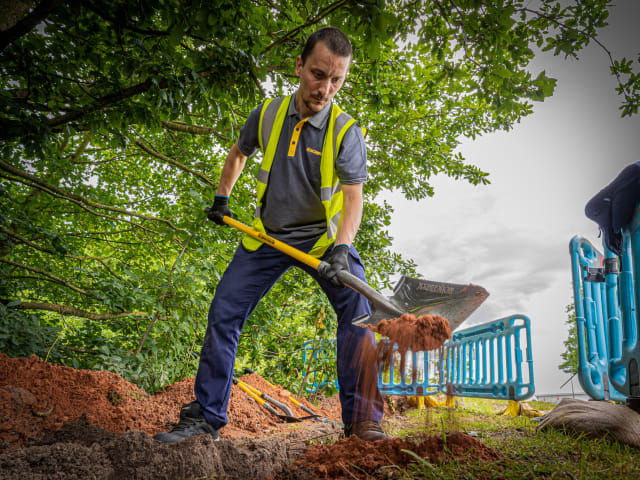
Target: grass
[{"x": 527, "y": 454}]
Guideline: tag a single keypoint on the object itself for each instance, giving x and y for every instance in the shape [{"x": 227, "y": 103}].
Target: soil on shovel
[
  {"x": 424, "y": 333},
  {"x": 427, "y": 332}
]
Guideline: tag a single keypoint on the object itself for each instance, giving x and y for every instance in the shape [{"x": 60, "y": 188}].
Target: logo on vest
[{"x": 315, "y": 152}]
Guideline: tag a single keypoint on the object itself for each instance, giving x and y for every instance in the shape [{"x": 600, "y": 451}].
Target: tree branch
[
  {"x": 81, "y": 148},
  {"x": 291, "y": 33},
  {"x": 258, "y": 84},
  {"x": 48, "y": 275},
  {"x": 193, "y": 129},
  {"x": 29, "y": 243},
  {"x": 446, "y": 19},
  {"x": 151, "y": 151},
  {"x": 78, "y": 198},
  {"x": 592, "y": 38},
  {"x": 13, "y": 128},
  {"x": 26, "y": 24},
  {"x": 101, "y": 162},
  {"x": 104, "y": 102},
  {"x": 75, "y": 312},
  {"x": 79, "y": 204}
]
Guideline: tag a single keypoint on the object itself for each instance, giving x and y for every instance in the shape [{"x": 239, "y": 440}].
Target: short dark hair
[{"x": 333, "y": 38}]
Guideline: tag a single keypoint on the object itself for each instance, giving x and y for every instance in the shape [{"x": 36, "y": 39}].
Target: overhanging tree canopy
[{"x": 115, "y": 119}]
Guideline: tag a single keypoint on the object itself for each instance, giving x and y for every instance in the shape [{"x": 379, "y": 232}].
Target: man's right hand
[
  {"x": 219, "y": 209},
  {"x": 338, "y": 259}
]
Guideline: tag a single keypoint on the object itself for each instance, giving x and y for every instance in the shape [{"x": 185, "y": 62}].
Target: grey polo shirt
[{"x": 291, "y": 208}]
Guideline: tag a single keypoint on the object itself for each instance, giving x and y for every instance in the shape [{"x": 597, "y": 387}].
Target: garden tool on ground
[
  {"x": 266, "y": 401},
  {"x": 264, "y": 396},
  {"x": 295, "y": 401},
  {"x": 411, "y": 295}
]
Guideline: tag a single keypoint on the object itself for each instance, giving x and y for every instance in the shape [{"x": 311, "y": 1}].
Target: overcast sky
[{"x": 512, "y": 236}]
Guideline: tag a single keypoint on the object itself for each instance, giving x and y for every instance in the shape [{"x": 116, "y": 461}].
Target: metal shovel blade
[{"x": 425, "y": 297}]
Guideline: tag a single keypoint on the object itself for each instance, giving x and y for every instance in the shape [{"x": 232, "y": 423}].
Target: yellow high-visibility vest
[{"x": 272, "y": 116}]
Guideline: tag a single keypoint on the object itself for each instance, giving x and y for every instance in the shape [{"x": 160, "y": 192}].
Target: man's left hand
[{"x": 338, "y": 259}]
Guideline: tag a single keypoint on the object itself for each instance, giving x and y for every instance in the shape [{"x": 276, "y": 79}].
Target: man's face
[{"x": 321, "y": 77}]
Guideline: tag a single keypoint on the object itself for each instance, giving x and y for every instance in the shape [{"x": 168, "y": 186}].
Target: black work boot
[
  {"x": 368, "y": 430},
  {"x": 192, "y": 422}
]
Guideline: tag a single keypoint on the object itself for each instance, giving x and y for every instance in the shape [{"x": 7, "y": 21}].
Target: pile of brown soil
[
  {"x": 36, "y": 397},
  {"x": 427, "y": 332},
  {"x": 57, "y": 422},
  {"x": 354, "y": 458}
]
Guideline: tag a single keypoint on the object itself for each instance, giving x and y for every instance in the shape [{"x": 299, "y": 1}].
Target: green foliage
[
  {"x": 115, "y": 120},
  {"x": 23, "y": 334},
  {"x": 628, "y": 84},
  {"x": 570, "y": 355}
]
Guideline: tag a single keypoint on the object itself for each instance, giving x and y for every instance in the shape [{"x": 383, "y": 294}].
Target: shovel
[
  {"x": 411, "y": 295},
  {"x": 265, "y": 401},
  {"x": 314, "y": 416}
]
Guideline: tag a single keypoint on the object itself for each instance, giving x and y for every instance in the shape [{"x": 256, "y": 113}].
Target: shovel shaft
[
  {"x": 304, "y": 407},
  {"x": 265, "y": 397},
  {"x": 377, "y": 301},
  {"x": 246, "y": 388},
  {"x": 411, "y": 295},
  {"x": 277, "y": 244},
  {"x": 252, "y": 394}
]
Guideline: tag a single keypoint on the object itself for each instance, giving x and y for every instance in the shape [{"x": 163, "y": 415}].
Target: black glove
[
  {"x": 219, "y": 209},
  {"x": 338, "y": 259}
]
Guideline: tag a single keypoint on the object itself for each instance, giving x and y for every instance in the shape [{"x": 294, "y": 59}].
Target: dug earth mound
[
  {"x": 62, "y": 423},
  {"x": 354, "y": 458},
  {"x": 58, "y": 422}
]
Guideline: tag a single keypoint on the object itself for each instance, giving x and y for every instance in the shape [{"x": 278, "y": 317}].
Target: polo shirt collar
[{"x": 318, "y": 120}]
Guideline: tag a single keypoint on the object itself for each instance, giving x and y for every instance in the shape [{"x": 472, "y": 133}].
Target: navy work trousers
[{"x": 248, "y": 278}]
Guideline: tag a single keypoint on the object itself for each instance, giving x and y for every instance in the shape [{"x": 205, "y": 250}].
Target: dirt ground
[{"x": 61, "y": 423}]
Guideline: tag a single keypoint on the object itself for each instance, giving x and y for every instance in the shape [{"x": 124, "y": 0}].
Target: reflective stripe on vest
[{"x": 272, "y": 119}]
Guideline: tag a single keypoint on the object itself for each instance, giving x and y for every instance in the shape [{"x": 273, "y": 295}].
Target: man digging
[{"x": 309, "y": 196}]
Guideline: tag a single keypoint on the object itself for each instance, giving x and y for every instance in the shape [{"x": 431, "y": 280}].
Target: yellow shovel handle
[
  {"x": 380, "y": 303},
  {"x": 246, "y": 385},
  {"x": 251, "y": 394},
  {"x": 277, "y": 244}
]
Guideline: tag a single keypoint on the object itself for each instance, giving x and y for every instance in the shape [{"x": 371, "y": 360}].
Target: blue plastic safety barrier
[
  {"x": 624, "y": 322},
  {"x": 393, "y": 380},
  {"x": 597, "y": 320},
  {"x": 317, "y": 352},
  {"x": 420, "y": 374},
  {"x": 492, "y": 360}
]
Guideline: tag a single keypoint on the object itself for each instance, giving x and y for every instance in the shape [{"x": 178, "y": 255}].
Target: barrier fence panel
[
  {"x": 492, "y": 360},
  {"x": 321, "y": 354},
  {"x": 624, "y": 323},
  {"x": 596, "y": 302},
  {"x": 420, "y": 374}
]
